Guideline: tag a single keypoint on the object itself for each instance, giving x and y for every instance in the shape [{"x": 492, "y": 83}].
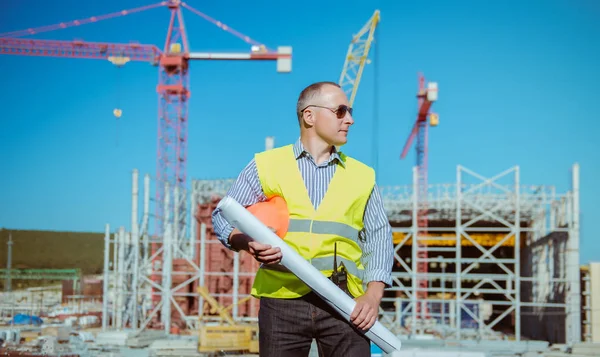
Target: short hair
[{"x": 308, "y": 94}]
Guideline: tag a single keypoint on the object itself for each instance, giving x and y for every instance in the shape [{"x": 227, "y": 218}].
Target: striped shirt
[{"x": 376, "y": 237}]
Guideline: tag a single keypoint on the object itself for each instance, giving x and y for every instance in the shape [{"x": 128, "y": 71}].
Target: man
[{"x": 335, "y": 210}]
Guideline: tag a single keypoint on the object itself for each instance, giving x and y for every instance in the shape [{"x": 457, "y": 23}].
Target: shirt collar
[{"x": 299, "y": 150}]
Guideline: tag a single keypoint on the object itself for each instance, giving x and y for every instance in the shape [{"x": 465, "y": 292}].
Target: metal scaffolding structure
[
  {"x": 523, "y": 285},
  {"x": 527, "y": 275},
  {"x": 138, "y": 287}
]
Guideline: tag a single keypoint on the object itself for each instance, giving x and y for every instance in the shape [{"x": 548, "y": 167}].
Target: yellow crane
[{"x": 357, "y": 57}]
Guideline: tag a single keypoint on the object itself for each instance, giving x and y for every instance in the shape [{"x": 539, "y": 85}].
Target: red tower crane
[
  {"x": 173, "y": 87},
  {"x": 425, "y": 97}
]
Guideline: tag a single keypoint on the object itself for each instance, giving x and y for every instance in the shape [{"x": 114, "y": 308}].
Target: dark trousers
[{"x": 288, "y": 326}]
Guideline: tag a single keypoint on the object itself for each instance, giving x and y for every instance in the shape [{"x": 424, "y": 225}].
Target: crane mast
[
  {"x": 425, "y": 98},
  {"x": 172, "y": 141},
  {"x": 357, "y": 57}
]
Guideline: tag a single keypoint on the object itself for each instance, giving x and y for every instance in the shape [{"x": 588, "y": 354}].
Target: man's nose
[{"x": 348, "y": 119}]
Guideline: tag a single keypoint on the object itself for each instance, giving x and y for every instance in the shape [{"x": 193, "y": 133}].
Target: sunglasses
[{"x": 340, "y": 111}]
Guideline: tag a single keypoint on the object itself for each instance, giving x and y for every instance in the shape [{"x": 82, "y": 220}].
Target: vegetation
[{"x": 54, "y": 250}]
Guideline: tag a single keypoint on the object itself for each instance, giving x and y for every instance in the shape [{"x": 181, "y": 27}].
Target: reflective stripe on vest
[
  {"x": 324, "y": 227},
  {"x": 325, "y": 263}
]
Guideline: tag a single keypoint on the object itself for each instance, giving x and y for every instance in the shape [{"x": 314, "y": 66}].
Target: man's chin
[{"x": 341, "y": 142}]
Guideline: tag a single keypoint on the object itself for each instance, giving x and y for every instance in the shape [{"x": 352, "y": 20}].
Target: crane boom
[
  {"x": 132, "y": 51},
  {"x": 78, "y": 49},
  {"x": 357, "y": 57}
]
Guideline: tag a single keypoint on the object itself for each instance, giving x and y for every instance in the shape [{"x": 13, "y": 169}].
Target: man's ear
[{"x": 308, "y": 117}]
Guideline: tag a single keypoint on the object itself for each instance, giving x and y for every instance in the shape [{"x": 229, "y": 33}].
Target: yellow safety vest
[{"x": 312, "y": 233}]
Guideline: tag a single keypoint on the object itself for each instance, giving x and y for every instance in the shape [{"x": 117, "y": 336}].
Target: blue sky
[{"x": 517, "y": 85}]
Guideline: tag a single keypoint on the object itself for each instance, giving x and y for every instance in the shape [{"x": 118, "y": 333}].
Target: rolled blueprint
[{"x": 242, "y": 219}]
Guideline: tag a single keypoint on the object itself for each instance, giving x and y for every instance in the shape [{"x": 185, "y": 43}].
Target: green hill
[{"x": 54, "y": 250}]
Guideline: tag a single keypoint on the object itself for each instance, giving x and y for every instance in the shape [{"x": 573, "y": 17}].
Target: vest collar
[{"x": 336, "y": 155}]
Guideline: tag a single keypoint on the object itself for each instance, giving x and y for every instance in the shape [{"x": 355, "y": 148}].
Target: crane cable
[
  {"x": 117, "y": 111},
  {"x": 375, "y": 141},
  {"x": 79, "y": 22},
  {"x": 118, "y": 61}
]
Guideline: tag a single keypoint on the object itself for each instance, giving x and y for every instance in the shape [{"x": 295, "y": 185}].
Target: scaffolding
[
  {"x": 502, "y": 253},
  {"x": 145, "y": 276},
  {"x": 536, "y": 281}
]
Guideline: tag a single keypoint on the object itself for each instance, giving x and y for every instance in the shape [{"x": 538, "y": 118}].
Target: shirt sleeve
[
  {"x": 378, "y": 247},
  {"x": 246, "y": 190}
]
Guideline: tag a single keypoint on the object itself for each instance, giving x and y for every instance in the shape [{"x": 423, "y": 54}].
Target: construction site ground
[
  {"x": 72, "y": 337},
  {"x": 155, "y": 344}
]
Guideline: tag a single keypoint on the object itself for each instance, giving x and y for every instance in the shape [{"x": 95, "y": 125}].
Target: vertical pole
[
  {"x": 168, "y": 251},
  {"x": 193, "y": 234},
  {"x": 8, "y": 283},
  {"x": 236, "y": 284},
  {"x": 553, "y": 208},
  {"x": 106, "y": 275},
  {"x": 167, "y": 263},
  {"x": 587, "y": 333},
  {"x": 572, "y": 267},
  {"x": 135, "y": 245},
  {"x": 147, "y": 297},
  {"x": 177, "y": 238},
  {"x": 375, "y": 135},
  {"x": 134, "y": 200},
  {"x": 146, "y": 217},
  {"x": 121, "y": 278},
  {"x": 443, "y": 282},
  {"x": 202, "y": 265},
  {"x": 415, "y": 237},
  {"x": 517, "y": 232},
  {"x": 458, "y": 266},
  {"x": 115, "y": 287},
  {"x": 398, "y": 324}
]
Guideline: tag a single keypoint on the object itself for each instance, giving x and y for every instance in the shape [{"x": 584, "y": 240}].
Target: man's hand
[
  {"x": 263, "y": 253},
  {"x": 366, "y": 310}
]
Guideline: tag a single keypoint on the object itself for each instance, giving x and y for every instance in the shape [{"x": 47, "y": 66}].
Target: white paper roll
[{"x": 242, "y": 219}]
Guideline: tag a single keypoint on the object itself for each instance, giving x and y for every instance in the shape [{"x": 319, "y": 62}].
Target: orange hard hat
[{"x": 273, "y": 213}]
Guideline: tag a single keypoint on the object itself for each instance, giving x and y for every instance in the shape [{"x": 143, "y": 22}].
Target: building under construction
[
  {"x": 502, "y": 257},
  {"x": 495, "y": 260}
]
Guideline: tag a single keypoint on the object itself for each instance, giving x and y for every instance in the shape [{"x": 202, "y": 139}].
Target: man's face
[{"x": 327, "y": 125}]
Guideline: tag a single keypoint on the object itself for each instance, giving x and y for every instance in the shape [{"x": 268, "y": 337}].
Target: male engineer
[{"x": 337, "y": 222}]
